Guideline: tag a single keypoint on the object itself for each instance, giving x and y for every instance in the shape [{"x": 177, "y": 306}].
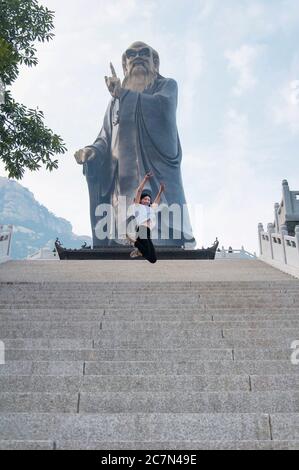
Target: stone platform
[{"x": 123, "y": 253}]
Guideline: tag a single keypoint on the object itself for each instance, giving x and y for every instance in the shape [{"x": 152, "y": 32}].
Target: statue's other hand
[{"x": 85, "y": 155}]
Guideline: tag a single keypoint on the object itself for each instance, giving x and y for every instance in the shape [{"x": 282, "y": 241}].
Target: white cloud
[
  {"x": 286, "y": 111},
  {"x": 193, "y": 65},
  {"x": 236, "y": 21},
  {"x": 242, "y": 61},
  {"x": 235, "y": 197},
  {"x": 205, "y": 9}
]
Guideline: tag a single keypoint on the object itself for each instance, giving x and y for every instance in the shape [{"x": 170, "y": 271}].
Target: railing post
[
  {"x": 270, "y": 230},
  {"x": 276, "y": 207},
  {"x": 5, "y": 243},
  {"x": 284, "y": 232},
  {"x": 286, "y": 198},
  {"x": 297, "y": 238},
  {"x": 260, "y": 230}
]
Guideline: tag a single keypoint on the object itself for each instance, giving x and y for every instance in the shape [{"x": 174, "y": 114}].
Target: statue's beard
[{"x": 139, "y": 81}]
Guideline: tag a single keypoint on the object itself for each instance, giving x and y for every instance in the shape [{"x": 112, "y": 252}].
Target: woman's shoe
[
  {"x": 135, "y": 253},
  {"x": 130, "y": 240}
]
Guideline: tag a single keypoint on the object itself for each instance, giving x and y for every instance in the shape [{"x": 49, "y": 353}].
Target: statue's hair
[{"x": 156, "y": 57}]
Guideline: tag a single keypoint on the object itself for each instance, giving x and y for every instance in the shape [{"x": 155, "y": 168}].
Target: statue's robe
[{"x": 139, "y": 134}]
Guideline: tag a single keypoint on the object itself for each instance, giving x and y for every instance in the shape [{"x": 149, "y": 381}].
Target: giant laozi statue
[{"x": 139, "y": 134}]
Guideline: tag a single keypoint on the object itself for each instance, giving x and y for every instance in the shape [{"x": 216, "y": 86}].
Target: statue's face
[{"x": 139, "y": 59}]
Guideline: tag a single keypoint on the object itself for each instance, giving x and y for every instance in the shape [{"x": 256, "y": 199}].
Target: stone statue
[{"x": 139, "y": 134}]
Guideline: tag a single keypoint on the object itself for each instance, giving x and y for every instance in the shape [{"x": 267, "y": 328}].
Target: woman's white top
[{"x": 144, "y": 213}]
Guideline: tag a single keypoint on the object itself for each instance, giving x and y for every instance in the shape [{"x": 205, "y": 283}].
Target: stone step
[
  {"x": 150, "y": 402},
  {"x": 173, "y": 445},
  {"x": 83, "y": 330},
  {"x": 189, "y": 340},
  {"x": 127, "y": 383},
  {"x": 146, "y": 426},
  {"x": 274, "y": 382},
  {"x": 285, "y": 426},
  {"x": 140, "y": 383},
  {"x": 74, "y": 330},
  {"x": 197, "y": 367},
  {"x": 151, "y": 445},
  {"x": 148, "y": 317},
  {"x": 166, "y": 308},
  {"x": 145, "y": 354},
  {"x": 140, "y": 295},
  {"x": 289, "y": 284},
  {"x": 143, "y": 325},
  {"x": 72, "y": 302},
  {"x": 284, "y": 282},
  {"x": 35, "y": 402},
  {"x": 157, "y": 312},
  {"x": 125, "y": 354},
  {"x": 139, "y": 291},
  {"x": 226, "y": 317},
  {"x": 174, "y": 343},
  {"x": 261, "y": 305},
  {"x": 134, "y": 306},
  {"x": 130, "y": 325},
  {"x": 262, "y": 354},
  {"x": 170, "y": 402},
  {"x": 265, "y": 309},
  {"x": 263, "y": 332},
  {"x": 87, "y": 329},
  {"x": 28, "y": 445},
  {"x": 46, "y": 343},
  {"x": 42, "y": 368},
  {"x": 171, "y": 336}
]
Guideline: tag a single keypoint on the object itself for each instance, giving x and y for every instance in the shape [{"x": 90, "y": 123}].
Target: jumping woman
[{"x": 145, "y": 220}]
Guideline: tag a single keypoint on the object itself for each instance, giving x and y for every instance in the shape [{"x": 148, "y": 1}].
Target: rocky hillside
[{"x": 34, "y": 225}]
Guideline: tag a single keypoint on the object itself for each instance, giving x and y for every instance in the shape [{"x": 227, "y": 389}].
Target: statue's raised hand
[
  {"x": 113, "y": 83},
  {"x": 85, "y": 155}
]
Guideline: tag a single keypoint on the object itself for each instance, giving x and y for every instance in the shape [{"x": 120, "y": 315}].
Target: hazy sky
[{"x": 237, "y": 67}]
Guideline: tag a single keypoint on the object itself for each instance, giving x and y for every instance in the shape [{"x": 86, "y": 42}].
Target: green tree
[{"x": 25, "y": 142}]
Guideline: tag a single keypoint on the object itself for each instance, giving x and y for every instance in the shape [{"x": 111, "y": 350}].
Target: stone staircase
[{"x": 182, "y": 354}]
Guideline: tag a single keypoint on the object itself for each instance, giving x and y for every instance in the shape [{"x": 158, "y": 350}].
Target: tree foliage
[{"x": 25, "y": 142}]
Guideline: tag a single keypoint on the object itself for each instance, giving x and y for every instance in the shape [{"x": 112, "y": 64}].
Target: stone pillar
[
  {"x": 270, "y": 230},
  {"x": 276, "y": 207},
  {"x": 286, "y": 198},
  {"x": 284, "y": 232},
  {"x": 260, "y": 230},
  {"x": 297, "y": 238}
]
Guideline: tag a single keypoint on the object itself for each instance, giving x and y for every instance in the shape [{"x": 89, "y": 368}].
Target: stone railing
[
  {"x": 231, "y": 253},
  {"x": 5, "y": 242},
  {"x": 280, "y": 249},
  {"x": 44, "y": 253}
]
